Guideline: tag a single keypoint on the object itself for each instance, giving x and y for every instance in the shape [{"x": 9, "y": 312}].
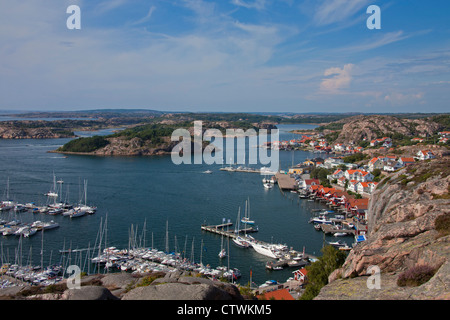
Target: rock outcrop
[
  {"x": 407, "y": 227},
  {"x": 361, "y": 127},
  {"x": 175, "y": 285},
  {"x": 32, "y": 133}
]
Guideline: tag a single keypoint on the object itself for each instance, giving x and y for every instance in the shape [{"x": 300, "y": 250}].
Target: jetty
[
  {"x": 285, "y": 181},
  {"x": 221, "y": 230}
]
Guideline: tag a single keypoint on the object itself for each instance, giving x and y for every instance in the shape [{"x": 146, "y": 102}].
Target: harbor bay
[{"x": 171, "y": 201}]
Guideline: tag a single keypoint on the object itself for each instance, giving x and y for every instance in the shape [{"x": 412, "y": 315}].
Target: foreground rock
[
  {"x": 171, "y": 286},
  {"x": 407, "y": 227}
]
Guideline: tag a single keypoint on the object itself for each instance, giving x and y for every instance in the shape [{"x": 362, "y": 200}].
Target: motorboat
[
  {"x": 266, "y": 250},
  {"x": 268, "y": 186},
  {"x": 207, "y": 171},
  {"x": 338, "y": 244},
  {"x": 39, "y": 225},
  {"x": 320, "y": 220}
]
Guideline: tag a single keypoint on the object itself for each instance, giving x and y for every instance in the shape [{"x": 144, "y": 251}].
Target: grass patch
[{"x": 442, "y": 225}]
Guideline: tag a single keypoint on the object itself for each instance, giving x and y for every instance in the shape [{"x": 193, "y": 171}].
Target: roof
[
  {"x": 282, "y": 294},
  {"x": 407, "y": 159},
  {"x": 362, "y": 204}
]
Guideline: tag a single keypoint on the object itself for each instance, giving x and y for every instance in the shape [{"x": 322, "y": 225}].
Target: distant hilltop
[{"x": 368, "y": 127}]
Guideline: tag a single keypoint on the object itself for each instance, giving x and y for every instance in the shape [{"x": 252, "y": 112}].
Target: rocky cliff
[
  {"x": 357, "y": 128},
  {"x": 408, "y": 231}
]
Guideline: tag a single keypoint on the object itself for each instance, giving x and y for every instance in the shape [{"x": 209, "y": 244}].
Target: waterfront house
[
  {"x": 307, "y": 183},
  {"x": 280, "y": 294},
  {"x": 425, "y": 155},
  {"x": 358, "y": 207},
  {"x": 300, "y": 275}
]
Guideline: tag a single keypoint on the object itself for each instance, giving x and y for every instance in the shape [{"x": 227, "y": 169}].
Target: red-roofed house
[
  {"x": 404, "y": 161},
  {"x": 300, "y": 275},
  {"x": 376, "y": 163},
  {"x": 425, "y": 155},
  {"x": 281, "y": 294},
  {"x": 359, "y": 175}
]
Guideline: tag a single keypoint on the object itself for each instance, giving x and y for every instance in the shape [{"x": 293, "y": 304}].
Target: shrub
[
  {"x": 416, "y": 276},
  {"x": 85, "y": 144},
  {"x": 442, "y": 224}
]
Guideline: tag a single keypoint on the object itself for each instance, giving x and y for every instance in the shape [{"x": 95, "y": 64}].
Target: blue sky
[{"x": 228, "y": 55}]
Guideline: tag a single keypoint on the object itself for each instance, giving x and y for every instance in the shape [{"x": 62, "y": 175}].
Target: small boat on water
[
  {"x": 208, "y": 172},
  {"x": 222, "y": 254},
  {"x": 268, "y": 186},
  {"x": 338, "y": 244},
  {"x": 320, "y": 220},
  {"x": 39, "y": 225}
]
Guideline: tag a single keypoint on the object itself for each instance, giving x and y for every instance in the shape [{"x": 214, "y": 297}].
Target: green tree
[{"x": 319, "y": 271}]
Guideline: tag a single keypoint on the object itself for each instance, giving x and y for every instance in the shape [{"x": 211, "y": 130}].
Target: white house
[
  {"x": 376, "y": 163},
  {"x": 353, "y": 185},
  {"x": 358, "y": 175},
  {"x": 392, "y": 166},
  {"x": 425, "y": 155},
  {"x": 336, "y": 175},
  {"x": 366, "y": 187}
]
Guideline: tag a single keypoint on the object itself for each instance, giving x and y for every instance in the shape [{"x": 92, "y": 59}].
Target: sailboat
[
  {"x": 53, "y": 192},
  {"x": 222, "y": 253},
  {"x": 238, "y": 240},
  {"x": 7, "y": 204},
  {"x": 246, "y": 219},
  {"x": 81, "y": 210}
]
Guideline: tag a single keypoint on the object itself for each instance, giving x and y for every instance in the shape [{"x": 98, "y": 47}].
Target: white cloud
[
  {"x": 332, "y": 11},
  {"x": 376, "y": 42},
  {"x": 341, "y": 78},
  {"x": 147, "y": 17},
  {"x": 255, "y": 4}
]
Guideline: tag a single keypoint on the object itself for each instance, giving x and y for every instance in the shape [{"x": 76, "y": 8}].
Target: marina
[{"x": 158, "y": 197}]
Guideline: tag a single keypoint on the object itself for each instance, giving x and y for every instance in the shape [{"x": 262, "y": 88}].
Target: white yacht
[{"x": 266, "y": 250}]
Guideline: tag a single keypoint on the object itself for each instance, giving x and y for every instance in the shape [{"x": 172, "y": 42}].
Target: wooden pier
[
  {"x": 285, "y": 182},
  {"x": 220, "y": 229}
]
